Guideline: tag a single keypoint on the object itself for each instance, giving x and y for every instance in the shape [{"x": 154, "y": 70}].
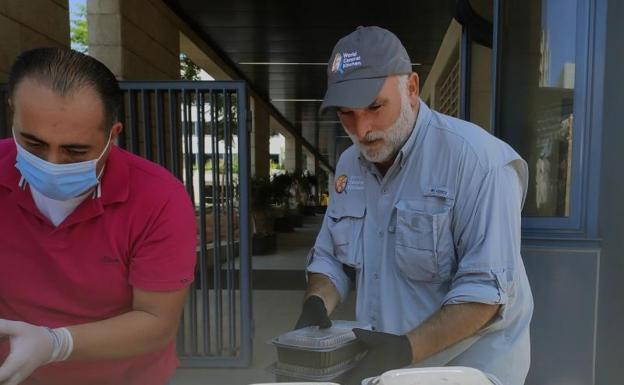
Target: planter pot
[
  {"x": 263, "y": 221},
  {"x": 297, "y": 220},
  {"x": 284, "y": 224},
  {"x": 309, "y": 211},
  {"x": 263, "y": 244},
  {"x": 223, "y": 228}
]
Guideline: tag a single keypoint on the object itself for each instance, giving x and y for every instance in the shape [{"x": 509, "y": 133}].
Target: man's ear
[
  {"x": 413, "y": 88},
  {"x": 115, "y": 131},
  {"x": 11, "y": 105}
]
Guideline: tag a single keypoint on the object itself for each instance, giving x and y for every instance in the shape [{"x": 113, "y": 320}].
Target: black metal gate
[{"x": 199, "y": 131}]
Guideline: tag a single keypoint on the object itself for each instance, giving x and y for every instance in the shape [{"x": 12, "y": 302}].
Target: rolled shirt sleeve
[
  {"x": 321, "y": 260},
  {"x": 487, "y": 228}
]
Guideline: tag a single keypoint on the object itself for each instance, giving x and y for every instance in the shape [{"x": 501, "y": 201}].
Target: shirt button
[
  {"x": 380, "y": 232},
  {"x": 384, "y": 191},
  {"x": 376, "y": 276}
]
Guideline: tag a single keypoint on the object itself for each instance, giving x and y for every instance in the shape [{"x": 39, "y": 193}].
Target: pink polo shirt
[{"x": 139, "y": 233}]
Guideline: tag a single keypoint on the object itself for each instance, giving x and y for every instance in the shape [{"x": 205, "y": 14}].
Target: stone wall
[
  {"x": 136, "y": 39},
  {"x": 30, "y": 24}
]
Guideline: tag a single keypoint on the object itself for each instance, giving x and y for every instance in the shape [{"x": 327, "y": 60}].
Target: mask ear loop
[
  {"x": 110, "y": 135},
  {"x": 22, "y": 181},
  {"x": 98, "y": 188}
]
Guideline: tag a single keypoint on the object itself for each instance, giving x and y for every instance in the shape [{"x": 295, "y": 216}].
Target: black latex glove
[
  {"x": 385, "y": 352},
  {"x": 314, "y": 313}
]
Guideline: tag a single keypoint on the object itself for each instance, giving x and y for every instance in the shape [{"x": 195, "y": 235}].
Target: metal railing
[{"x": 199, "y": 131}]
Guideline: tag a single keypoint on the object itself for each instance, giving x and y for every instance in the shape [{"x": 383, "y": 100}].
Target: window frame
[{"x": 589, "y": 59}]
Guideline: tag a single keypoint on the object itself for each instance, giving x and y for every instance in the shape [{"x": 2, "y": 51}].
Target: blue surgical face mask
[{"x": 57, "y": 181}]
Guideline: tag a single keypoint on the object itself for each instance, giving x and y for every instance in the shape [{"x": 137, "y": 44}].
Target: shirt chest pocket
[
  {"x": 346, "y": 226},
  {"x": 424, "y": 249}
]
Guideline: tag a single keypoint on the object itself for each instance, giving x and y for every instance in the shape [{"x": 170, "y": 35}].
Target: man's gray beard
[{"x": 394, "y": 137}]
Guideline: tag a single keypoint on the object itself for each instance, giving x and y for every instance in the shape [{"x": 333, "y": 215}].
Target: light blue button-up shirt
[{"x": 441, "y": 227}]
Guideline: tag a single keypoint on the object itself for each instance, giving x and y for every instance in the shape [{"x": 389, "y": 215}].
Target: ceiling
[{"x": 304, "y": 32}]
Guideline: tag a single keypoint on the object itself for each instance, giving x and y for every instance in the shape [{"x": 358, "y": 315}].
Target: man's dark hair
[{"x": 65, "y": 71}]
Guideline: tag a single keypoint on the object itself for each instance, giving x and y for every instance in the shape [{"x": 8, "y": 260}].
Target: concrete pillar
[
  {"x": 135, "y": 39},
  {"x": 310, "y": 163},
  {"x": 332, "y": 156},
  {"x": 289, "y": 156},
  {"x": 30, "y": 24},
  {"x": 260, "y": 134},
  {"x": 330, "y": 182},
  {"x": 298, "y": 156},
  {"x": 481, "y": 86},
  {"x": 293, "y": 161},
  {"x": 317, "y": 187}
]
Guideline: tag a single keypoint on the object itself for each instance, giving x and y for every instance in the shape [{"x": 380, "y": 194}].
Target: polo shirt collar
[
  {"x": 9, "y": 175},
  {"x": 115, "y": 181}
]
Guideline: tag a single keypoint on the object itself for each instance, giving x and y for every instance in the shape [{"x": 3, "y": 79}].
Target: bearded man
[{"x": 427, "y": 212}]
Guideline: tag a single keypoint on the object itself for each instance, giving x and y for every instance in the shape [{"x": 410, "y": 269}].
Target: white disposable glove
[{"x": 31, "y": 347}]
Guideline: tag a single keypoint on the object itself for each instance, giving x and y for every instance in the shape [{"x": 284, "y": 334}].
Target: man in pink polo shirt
[{"x": 97, "y": 246}]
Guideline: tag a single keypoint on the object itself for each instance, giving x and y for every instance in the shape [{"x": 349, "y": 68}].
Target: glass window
[{"x": 536, "y": 97}]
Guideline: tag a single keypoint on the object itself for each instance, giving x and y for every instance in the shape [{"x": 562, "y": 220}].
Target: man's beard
[{"x": 393, "y": 137}]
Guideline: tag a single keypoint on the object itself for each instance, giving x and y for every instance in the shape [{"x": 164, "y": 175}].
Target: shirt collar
[
  {"x": 115, "y": 181},
  {"x": 422, "y": 122},
  {"x": 9, "y": 175}
]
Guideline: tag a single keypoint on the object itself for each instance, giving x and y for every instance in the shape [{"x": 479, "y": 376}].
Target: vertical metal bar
[
  {"x": 188, "y": 139},
  {"x": 233, "y": 194},
  {"x": 174, "y": 106},
  {"x": 465, "y": 65},
  {"x": 134, "y": 131},
  {"x": 173, "y": 127},
  {"x": 147, "y": 130},
  {"x": 216, "y": 212},
  {"x": 244, "y": 234},
  {"x": 186, "y": 131},
  {"x": 199, "y": 132},
  {"x": 188, "y": 146},
  {"x": 160, "y": 130},
  {"x": 227, "y": 132},
  {"x": 121, "y": 139},
  {"x": 497, "y": 45}
]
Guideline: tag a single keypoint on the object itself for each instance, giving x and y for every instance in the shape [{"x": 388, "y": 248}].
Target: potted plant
[
  {"x": 281, "y": 185},
  {"x": 263, "y": 239},
  {"x": 308, "y": 183}
]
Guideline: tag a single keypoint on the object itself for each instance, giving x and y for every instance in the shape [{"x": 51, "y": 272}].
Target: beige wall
[
  {"x": 448, "y": 50},
  {"x": 310, "y": 162},
  {"x": 135, "y": 38},
  {"x": 29, "y": 24},
  {"x": 480, "y": 76},
  {"x": 480, "y": 86},
  {"x": 293, "y": 157},
  {"x": 260, "y": 160}
]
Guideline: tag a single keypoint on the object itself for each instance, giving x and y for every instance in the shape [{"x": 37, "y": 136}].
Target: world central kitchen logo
[{"x": 345, "y": 60}]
